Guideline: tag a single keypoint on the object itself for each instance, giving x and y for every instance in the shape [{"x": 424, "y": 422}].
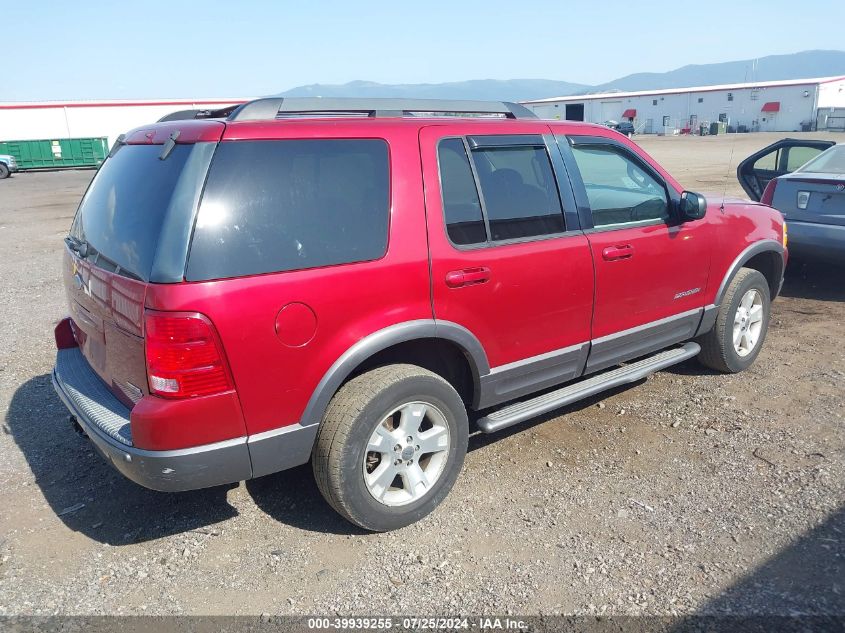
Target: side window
[
  {"x": 464, "y": 221},
  {"x": 272, "y": 206},
  {"x": 619, "y": 190},
  {"x": 768, "y": 162},
  {"x": 798, "y": 155},
  {"x": 519, "y": 190}
]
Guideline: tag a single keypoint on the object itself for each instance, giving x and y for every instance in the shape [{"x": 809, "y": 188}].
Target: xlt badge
[{"x": 687, "y": 293}]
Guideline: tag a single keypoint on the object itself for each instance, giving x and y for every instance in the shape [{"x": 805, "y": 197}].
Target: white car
[{"x": 8, "y": 164}]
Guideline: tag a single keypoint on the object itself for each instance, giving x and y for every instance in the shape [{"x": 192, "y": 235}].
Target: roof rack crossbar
[{"x": 272, "y": 107}]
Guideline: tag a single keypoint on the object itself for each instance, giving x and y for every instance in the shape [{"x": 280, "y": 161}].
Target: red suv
[{"x": 352, "y": 282}]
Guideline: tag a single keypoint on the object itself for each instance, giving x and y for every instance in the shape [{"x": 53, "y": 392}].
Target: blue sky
[{"x": 154, "y": 49}]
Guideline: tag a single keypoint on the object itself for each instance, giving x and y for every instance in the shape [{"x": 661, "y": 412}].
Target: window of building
[
  {"x": 701, "y": 99},
  {"x": 730, "y": 96},
  {"x": 654, "y": 102}
]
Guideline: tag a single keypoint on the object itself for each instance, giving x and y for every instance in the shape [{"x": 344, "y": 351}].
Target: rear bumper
[
  {"x": 106, "y": 422},
  {"x": 817, "y": 241}
]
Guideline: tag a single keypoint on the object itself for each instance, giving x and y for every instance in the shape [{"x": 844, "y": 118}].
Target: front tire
[
  {"x": 390, "y": 446},
  {"x": 741, "y": 325},
  {"x": 4, "y": 171}
]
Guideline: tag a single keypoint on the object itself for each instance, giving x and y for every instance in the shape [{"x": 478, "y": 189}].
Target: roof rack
[
  {"x": 182, "y": 115},
  {"x": 276, "y": 107}
]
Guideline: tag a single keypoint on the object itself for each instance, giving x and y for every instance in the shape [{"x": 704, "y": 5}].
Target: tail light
[
  {"x": 769, "y": 193},
  {"x": 184, "y": 355}
]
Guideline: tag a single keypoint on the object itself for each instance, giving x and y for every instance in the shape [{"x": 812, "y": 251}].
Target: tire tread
[
  {"x": 714, "y": 343},
  {"x": 338, "y": 422}
]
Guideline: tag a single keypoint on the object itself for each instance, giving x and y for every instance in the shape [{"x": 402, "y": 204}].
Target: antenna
[
  {"x": 733, "y": 145},
  {"x": 728, "y": 175}
]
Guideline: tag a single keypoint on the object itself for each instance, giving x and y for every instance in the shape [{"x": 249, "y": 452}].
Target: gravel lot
[{"x": 689, "y": 493}]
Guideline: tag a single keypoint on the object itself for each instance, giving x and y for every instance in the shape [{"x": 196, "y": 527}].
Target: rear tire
[
  {"x": 4, "y": 171},
  {"x": 390, "y": 446},
  {"x": 741, "y": 325}
]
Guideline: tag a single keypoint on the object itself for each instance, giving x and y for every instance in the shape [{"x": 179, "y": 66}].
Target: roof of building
[
  {"x": 669, "y": 91},
  {"x": 25, "y": 105}
]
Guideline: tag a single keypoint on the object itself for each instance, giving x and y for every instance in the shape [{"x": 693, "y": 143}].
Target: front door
[
  {"x": 508, "y": 260},
  {"x": 651, "y": 270}
]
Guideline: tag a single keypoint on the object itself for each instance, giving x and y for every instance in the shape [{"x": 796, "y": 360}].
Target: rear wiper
[
  {"x": 169, "y": 145},
  {"x": 85, "y": 250},
  {"x": 80, "y": 247}
]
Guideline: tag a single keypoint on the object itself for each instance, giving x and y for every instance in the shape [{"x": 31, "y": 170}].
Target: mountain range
[{"x": 800, "y": 65}]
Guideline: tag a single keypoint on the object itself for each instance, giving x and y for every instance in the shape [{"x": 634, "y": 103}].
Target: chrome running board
[{"x": 526, "y": 409}]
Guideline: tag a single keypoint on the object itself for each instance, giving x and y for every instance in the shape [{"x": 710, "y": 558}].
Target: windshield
[
  {"x": 121, "y": 216},
  {"x": 830, "y": 161}
]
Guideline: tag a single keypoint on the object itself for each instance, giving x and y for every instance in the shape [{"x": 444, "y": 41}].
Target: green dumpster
[
  {"x": 718, "y": 127},
  {"x": 57, "y": 153}
]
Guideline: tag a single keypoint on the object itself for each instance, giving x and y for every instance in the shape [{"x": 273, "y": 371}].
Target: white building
[
  {"x": 775, "y": 106},
  {"x": 21, "y": 121}
]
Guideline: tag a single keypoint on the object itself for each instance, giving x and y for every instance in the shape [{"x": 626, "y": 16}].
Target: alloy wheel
[{"x": 406, "y": 453}]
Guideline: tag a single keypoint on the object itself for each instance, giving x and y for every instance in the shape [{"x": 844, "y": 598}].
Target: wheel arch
[
  {"x": 766, "y": 257},
  {"x": 404, "y": 342}
]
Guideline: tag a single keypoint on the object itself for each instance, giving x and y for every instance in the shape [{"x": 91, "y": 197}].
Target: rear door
[
  {"x": 779, "y": 158},
  {"x": 508, "y": 259}
]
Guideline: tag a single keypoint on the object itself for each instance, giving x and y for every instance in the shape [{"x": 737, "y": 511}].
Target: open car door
[{"x": 779, "y": 158}]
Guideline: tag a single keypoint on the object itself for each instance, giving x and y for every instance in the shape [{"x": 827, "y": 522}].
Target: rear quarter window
[{"x": 274, "y": 206}]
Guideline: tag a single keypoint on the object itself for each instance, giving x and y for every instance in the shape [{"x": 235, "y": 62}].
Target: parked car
[
  {"x": 335, "y": 281},
  {"x": 8, "y": 165},
  {"x": 623, "y": 127},
  {"x": 626, "y": 128},
  {"x": 804, "y": 180}
]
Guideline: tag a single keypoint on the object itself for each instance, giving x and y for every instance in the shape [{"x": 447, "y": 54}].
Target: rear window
[
  {"x": 121, "y": 214},
  {"x": 273, "y": 206},
  {"x": 519, "y": 192},
  {"x": 830, "y": 161},
  {"x": 461, "y": 205}
]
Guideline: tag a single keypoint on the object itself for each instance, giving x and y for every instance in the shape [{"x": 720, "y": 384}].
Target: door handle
[
  {"x": 621, "y": 251},
  {"x": 467, "y": 277}
]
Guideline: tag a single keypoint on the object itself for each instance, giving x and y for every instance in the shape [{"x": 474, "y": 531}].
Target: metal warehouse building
[
  {"x": 88, "y": 119},
  {"x": 768, "y": 106}
]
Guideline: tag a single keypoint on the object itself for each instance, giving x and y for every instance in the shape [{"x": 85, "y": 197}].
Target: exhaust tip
[{"x": 76, "y": 426}]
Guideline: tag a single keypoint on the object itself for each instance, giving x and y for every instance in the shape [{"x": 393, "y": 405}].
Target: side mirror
[{"x": 693, "y": 206}]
